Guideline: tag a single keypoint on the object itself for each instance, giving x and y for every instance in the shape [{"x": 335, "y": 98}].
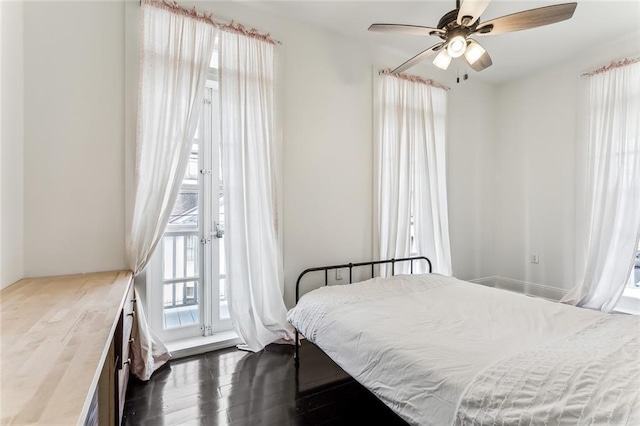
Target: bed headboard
[
  {"x": 326, "y": 270},
  {"x": 372, "y": 263}
]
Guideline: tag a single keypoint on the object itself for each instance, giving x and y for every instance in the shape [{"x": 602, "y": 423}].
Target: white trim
[
  {"x": 524, "y": 287},
  {"x": 199, "y": 345},
  {"x": 488, "y": 281},
  {"x": 629, "y": 302},
  {"x": 375, "y": 111}
]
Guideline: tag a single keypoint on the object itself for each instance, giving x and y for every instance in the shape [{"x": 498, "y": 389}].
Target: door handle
[{"x": 218, "y": 232}]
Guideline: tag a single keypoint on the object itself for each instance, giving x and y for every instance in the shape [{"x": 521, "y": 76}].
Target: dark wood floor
[{"x": 231, "y": 387}]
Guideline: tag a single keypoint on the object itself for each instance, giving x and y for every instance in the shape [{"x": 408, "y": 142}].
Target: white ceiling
[{"x": 515, "y": 54}]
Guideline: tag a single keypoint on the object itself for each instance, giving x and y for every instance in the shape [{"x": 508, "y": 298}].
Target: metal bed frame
[{"x": 326, "y": 270}]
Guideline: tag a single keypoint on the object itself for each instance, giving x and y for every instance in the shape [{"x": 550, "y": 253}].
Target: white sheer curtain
[
  {"x": 175, "y": 55},
  {"x": 412, "y": 172},
  {"x": 254, "y": 282},
  {"x": 613, "y": 185}
]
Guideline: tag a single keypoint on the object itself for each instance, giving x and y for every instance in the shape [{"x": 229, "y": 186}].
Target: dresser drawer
[
  {"x": 127, "y": 321},
  {"x": 123, "y": 380},
  {"x": 123, "y": 333},
  {"x": 128, "y": 317},
  {"x": 126, "y": 343},
  {"x": 127, "y": 326},
  {"x": 129, "y": 303}
]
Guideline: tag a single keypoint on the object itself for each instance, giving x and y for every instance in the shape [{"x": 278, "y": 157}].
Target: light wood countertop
[{"x": 56, "y": 332}]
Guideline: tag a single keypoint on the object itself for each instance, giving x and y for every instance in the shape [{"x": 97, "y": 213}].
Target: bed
[{"x": 441, "y": 351}]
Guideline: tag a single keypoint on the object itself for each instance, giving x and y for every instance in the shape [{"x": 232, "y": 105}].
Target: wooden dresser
[{"x": 64, "y": 354}]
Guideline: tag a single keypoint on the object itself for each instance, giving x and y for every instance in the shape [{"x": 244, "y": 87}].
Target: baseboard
[
  {"x": 630, "y": 301},
  {"x": 528, "y": 288}
]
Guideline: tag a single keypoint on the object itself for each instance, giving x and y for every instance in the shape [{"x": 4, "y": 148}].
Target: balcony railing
[
  {"x": 180, "y": 267},
  {"x": 180, "y": 294}
]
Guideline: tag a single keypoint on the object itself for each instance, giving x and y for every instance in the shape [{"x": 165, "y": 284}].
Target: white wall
[
  {"x": 11, "y": 150},
  {"x": 74, "y": 137},
  {"x": 328, "y": 148},
  {"x": 509, "y": 197},
  {"x": 470, "y": 185},
  {"x": 328, "y": 151},
  {"x": 327, "y": 132},
  {"x": 536, "y": 190},
  {"x": 80, "y": 112}
]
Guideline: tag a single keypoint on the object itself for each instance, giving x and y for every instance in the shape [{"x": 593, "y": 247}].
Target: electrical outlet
[
  {"x": 338, "y": 274},
  {"x": 535, "y": 258}
]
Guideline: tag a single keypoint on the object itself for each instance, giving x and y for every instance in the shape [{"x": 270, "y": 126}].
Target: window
[
  {"x": 613, "y": 151},
  {"x": 187, "y": 273},
  {"x": 630, "y": 157},
  {"x": 411, "y": 172},
  {"x": 635, "y": 273}
]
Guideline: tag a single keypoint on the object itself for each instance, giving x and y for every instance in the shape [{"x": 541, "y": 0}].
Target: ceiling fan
[{"x": 456, "y": 28}]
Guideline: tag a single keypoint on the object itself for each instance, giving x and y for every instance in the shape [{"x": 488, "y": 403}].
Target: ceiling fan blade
[
  {"x": 406, "y": 29},
  {"x": 481, "y": 63},
  {"x": 418, "y": 58},
  {"x": 470, "y": 11},
  {"x": 527, "y": 19}
]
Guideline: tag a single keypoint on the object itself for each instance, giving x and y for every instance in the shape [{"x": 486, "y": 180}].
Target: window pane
[
  {"x": 179, "y": 293},
  {"x": 223, "y": 259},
  {"x": 181, "y": 304},
  {"x": 192, "y": 256},
  {"x": 224, "y": 304},
  {"x": 636, "y": 270},
  {"x": 168, "y": 295},
  {"x": 185, "y": 210},
  {"x": 214, "y": 55},
  {"x": 168, "y": 264},
  {"x": 190, "y": 296},
  {"x": 191, "y": 174},
  {"x": 180, "y": 255},
  {"x": 198, "y": 131}
]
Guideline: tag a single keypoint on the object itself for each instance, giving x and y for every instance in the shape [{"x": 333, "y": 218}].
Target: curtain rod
[
  {"x": 613, "y": 65},
  {"x": 414, "y": 79},
  {"x": 207, "y": 17}
]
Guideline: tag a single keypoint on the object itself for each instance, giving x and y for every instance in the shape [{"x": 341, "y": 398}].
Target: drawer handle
[
  {"x": 132, "y": 340},
  {"x": 128, "y": 361},
  {"x": 132, "y": 314}
]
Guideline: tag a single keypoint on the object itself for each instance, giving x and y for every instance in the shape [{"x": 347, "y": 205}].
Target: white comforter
[{"x": 438, "y": 351}]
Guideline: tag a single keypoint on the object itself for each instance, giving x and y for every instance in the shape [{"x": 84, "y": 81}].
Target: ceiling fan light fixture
[
  {"x": 474, "y": 52},
  {"x": 457, "y": 26},
  {"x": 457, "y": 46},
  {"x": 443, "y": 60}
]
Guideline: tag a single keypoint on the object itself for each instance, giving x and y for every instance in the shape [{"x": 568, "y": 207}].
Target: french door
[{"x": 186, "y": 277}]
